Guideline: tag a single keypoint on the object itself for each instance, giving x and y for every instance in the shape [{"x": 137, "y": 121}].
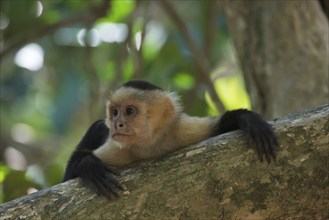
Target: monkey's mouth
[
  {"x": 120, "y": 134},
  {"x": 120, "y": 137}
]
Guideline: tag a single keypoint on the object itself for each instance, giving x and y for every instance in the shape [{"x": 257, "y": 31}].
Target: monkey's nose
[{"x": 119, "y": 125}]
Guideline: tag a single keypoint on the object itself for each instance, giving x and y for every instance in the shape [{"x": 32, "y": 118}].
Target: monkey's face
[
  {"x": 128, "y": 124},
  {"x": 136, "y": 117}
]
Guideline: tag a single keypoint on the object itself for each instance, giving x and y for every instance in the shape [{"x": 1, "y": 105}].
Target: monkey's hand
[
  {"x": 95, "y": 174},
  {"x": 260, "y": 134}
]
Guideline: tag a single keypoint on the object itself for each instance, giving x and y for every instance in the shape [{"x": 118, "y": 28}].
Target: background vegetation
[{"x": 58, "y": 59}]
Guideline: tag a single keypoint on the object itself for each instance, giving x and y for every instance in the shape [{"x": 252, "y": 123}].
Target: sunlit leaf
[
  {"x": 4, "y": 170},
  {"x": 120, "y": 9},
  {"x": 212, "y": 110},
  {"x": 232, "y": 92},
  {"x": 183, "y": 80},
  {"x": 51, "y": 17}
]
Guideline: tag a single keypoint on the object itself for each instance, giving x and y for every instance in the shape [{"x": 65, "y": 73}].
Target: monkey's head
[{"x": 138, "y": 111}]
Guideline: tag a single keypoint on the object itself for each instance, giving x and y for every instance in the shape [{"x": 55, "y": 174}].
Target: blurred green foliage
[{"x": 87, "y": 48}]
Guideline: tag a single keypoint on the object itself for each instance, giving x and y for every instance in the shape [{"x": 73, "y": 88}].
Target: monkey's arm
[
  {"x": 84, "y": 164},
  {"x": 259, "y": 133},
  {"x": 188, "y": 130}
]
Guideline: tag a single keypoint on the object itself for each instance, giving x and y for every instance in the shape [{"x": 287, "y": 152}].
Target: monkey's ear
[
  {"x": 175, "y": 100},
  {"x": 108, "y": 97}
]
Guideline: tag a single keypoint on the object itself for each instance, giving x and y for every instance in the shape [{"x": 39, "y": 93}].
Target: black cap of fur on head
[{"x": 142, "y": 85}]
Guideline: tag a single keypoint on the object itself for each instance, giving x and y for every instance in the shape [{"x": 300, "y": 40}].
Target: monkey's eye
[
  {"x": 130, "y": 110},
  {"x": 115, "y": 112}
]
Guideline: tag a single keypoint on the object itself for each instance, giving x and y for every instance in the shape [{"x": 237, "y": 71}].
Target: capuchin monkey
[{"x": 143, "y": 121}]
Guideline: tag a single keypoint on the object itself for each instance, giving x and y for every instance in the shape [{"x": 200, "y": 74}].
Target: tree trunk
[
  {"x": 283, "y": 49},
  {"x": 215, "y": 179}
]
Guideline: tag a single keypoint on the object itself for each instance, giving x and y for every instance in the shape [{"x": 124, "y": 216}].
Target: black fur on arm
[
  {"x": 84, "y": 164},
  {"x": 259, "y": 133}
]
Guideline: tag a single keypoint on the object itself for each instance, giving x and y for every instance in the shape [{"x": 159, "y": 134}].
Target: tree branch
[{"x": 215, "y": 179}]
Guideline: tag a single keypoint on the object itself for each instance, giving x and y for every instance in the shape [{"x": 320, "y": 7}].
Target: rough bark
[
  {"x": 215, "y": 179},
  {"x": 283, "y": 50}
]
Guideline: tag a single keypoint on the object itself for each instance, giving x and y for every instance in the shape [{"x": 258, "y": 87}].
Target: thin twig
[
  {"x": 210, "y": 25},
  {"x": 200, "y": 58},
  {"x": 137, "y": 55}
]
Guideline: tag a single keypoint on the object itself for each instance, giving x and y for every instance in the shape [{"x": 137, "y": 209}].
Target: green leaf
[
  {"x": 16, "y": 184},
  {"x": 232, "y": 92},
  {"x": 4, "y": 170},
  {"x": 183, "y": 80},
  {"x": 128, "y": 69},
  {"x": 212, "y": 110},
  {"x": 120, "y": 9}
]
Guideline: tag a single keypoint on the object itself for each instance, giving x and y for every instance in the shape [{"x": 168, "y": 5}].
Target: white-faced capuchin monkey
[{"x": 143, "y": 121}]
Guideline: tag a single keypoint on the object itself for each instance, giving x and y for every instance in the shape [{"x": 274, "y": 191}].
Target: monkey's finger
[
  {"x": 252, "y": 143},
  {"x": 275, "y": 145},
  {"x": 262, "y": 145},
  {"x": 113, "y": 191},
  {"x": 109, "y": 188},
  {"x": 105, "y": 190},
  {"x": 113, "y": 171},
  {"x": 94, "y": 185},
  {"x": 272, "y": 144},
  {"x": 114, "y": 181},
  {"x": 109, "y": 176},
  {"x": 98, "y": 181},
  {"x": 256, "y": 142},
  {"x": 267, "y": 150},
  {"x": 106, "y": 177},
  {"x": 266, "y": 145},
  {"x": 272, "y": 148}
]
